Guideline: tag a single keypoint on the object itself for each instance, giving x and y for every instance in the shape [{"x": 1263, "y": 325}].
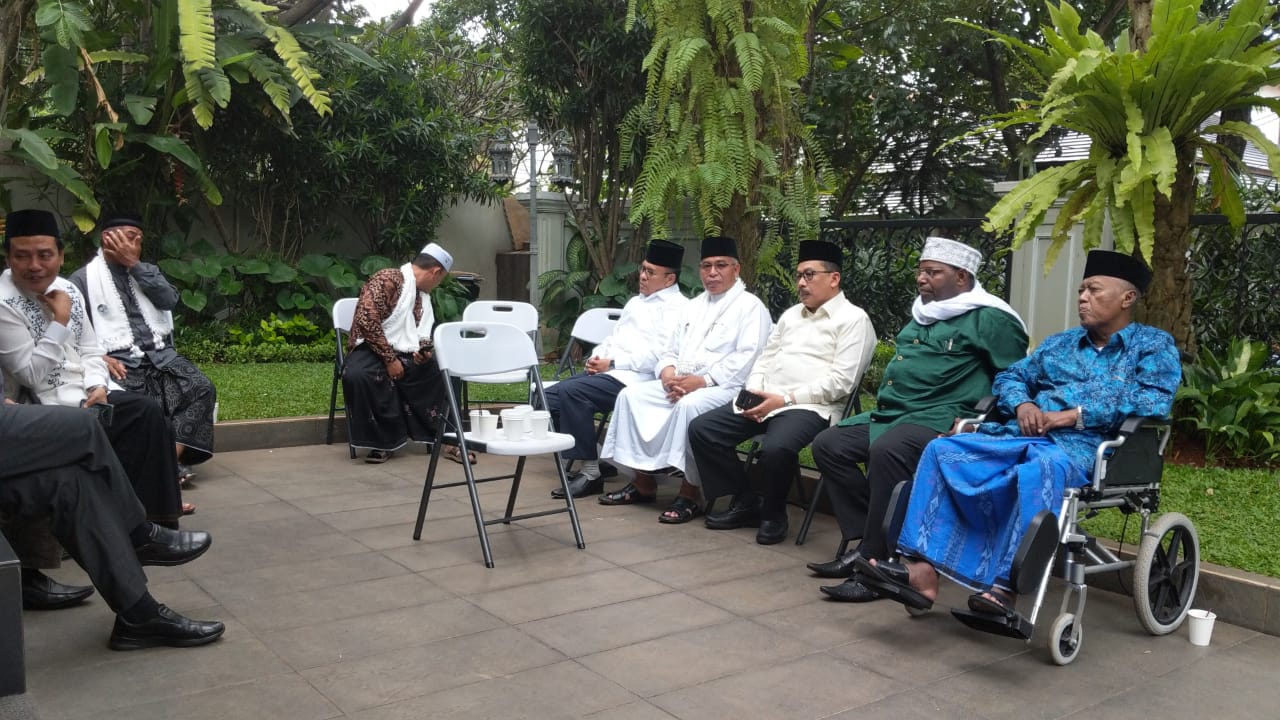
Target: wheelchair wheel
[
  {"x": 1166, "y": 573},
  {"x": 1065, "y": 638}
]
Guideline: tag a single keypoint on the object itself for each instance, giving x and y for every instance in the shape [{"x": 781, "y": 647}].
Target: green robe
[{"x": 941, "y": 371}]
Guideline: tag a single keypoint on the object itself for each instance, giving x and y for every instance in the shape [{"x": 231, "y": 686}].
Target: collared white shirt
[
  {"x": 645, "y": 328},
  {"x": 819, "y": 357}
]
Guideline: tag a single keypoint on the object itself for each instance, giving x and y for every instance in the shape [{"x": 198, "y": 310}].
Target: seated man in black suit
[{"x": 58, "y": 462}]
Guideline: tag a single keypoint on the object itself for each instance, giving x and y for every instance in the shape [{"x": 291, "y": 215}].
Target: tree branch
[{"x": 405, "y": 19}]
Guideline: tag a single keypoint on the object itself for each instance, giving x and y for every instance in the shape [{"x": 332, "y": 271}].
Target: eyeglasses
[
  {"x": 649, "y": 272},
  {"x": 809, "y": 275},
  {"x": 718, "y": 267}
]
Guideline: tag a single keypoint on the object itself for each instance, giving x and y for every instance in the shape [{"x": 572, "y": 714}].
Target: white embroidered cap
[
  {"x": 953, "y": 253},
  {"x": 441, "y": 255}
]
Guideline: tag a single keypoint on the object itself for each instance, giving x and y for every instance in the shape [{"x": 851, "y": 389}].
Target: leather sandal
[
  {"x": 682, "y": 510},
  {"x": 629, "y": 495},
  {"x": 892, "y": 581},
  {"x": 453, "y": 453},
  {"x": 991, "y": 603}
]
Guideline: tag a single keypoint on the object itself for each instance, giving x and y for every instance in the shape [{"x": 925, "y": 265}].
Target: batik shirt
[
  {"x": 1135, "y": 374},
  {"x": 378, "y": 298}
]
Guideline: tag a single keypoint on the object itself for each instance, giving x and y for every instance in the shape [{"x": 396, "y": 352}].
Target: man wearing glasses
[
  {"x": 626, "y": 357},
  {"x": 798, "y": 387},
  {"x": 959, "y": 337},
  {"x": 712, "y": 348}
]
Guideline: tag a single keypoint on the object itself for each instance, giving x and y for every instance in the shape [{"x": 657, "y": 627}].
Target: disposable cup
[
  {"x": 1200, "y": 626},
  {"x": 515, "y": 423},
  {"x": 475, "y": 419},
  {"x": 488, "y": 428},
  {"x": 539, "y": 424}
]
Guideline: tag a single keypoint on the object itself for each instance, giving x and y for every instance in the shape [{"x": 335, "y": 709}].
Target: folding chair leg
[
  {"x": 568, "y": 498},
  {"x": 515, "y": 488},
  {"x": 810, "y": 511},
  {"x": 333, "y": 408},
  {"x": 426, "y": 488}
]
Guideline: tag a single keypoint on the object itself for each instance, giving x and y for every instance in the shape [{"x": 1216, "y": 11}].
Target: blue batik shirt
[{"x": 1136, "y": 373}]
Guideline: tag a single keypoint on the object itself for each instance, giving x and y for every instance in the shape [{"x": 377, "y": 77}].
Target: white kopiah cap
[
  {"x": 441, "y": 255},
  {"x": 952, "y": 253}
]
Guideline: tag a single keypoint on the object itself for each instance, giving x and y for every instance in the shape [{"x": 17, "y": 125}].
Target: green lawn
[{"x": 1234, "y": 511}]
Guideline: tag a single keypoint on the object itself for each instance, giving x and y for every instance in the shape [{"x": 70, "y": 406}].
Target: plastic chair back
[
  {"x": 344, "y": 313},
  {"x": 471, "y": 349},
  {"x": 596, "y": 324},
  {"x": 520, "y": 314}
]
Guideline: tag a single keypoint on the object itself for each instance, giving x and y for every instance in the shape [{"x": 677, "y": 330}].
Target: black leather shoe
[
  {"x": 581, "y": 487},
  {"x": 737, "y": 516},
  {"x": 168, "y": 629},
  {"x": 771, "y": 532},
  {"x": 172, "y": 547},
  {"x": 41, "y": 592},
  {"x": 841, "y": 567},
  {"x": 851, "y": 590}
]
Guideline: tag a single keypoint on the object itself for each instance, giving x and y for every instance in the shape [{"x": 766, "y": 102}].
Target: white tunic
[
  {"x": 56, "y": 362},
  {"x": 717, "y": 337},
  {"x": 641, "y": 334},
  {"x": 819, "y": 357}
]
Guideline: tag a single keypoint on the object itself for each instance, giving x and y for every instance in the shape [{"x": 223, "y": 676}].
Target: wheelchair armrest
[
  {"x": 984, "y": 408},
  {"x": 1134, "y": 423},
  {"x": 986, "y": 405}
]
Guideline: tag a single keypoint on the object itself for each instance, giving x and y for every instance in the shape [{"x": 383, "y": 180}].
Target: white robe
[
  {"x": 642, "y": 334},
  {"x": 720, "y": 341}
]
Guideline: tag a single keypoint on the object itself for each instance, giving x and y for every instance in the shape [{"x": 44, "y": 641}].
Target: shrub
[{"x": 1234, "y": 401}]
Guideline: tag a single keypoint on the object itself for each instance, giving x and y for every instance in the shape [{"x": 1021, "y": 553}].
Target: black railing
[{"x": 1235, "y": 282}]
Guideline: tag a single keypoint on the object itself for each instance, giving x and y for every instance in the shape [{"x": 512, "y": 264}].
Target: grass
[{"x": 1234, "y": 511}]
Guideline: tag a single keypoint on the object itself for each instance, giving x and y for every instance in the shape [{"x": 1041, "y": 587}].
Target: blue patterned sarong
[{"x": 973, "y": 498}]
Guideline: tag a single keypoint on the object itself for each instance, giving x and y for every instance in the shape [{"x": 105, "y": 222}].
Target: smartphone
[
  {"x": 106, "y": 413},
  {"x": 747, "y": 400}
]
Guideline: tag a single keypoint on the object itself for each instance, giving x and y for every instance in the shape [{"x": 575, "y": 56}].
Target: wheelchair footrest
[{"x": 1015, "y": 626}]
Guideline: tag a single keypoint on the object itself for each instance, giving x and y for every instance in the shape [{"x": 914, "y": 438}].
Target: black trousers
[
  {"x": 142, "y": 439},
  {"x": 384, "y": 414},
  {"x": 574, "y": 402},
  {"x": 860, "y": 501},
  {"x": 714, "y": 437},
  {"x": 58, "y": 462}
]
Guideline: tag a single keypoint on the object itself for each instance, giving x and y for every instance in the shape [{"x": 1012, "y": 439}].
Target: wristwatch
[
  {"x": 788, "y": 399},
  {"x": 1079, "y": 418}
]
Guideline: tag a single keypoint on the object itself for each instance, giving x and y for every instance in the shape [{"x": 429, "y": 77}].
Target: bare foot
[{"x": 645, "y": 482}]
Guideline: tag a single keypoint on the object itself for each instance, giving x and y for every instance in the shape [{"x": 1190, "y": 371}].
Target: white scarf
[
  {"x": 692, "y": 358},
  {"x": 111, "y": 320},
  {"x": 402, "y": 332},
  {"x": 932, "y": 312}
]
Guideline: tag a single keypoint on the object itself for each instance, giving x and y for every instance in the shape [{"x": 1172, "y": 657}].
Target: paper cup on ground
[
  {"x": 488, "y": 429},
  {"x": 539, "y": 424},
  {"x": 1201, "y": 626}
]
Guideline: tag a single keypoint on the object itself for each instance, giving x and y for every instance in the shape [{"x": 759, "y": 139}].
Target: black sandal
[
  {"x": 629, "y": 495},
  {"x": 682, "y": 510},
  {"x": 992, "y": 603}
]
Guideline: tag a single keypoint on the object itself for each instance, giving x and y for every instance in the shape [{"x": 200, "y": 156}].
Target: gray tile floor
[{"x": 333, "y": 611}]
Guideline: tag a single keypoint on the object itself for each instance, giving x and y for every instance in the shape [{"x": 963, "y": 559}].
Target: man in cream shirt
[
  {"x": 815, "y": 357},
  {"x": 624, "y": 358}
]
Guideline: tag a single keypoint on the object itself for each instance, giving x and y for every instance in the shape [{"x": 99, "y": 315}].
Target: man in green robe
[{"x": 959, "y": 337}]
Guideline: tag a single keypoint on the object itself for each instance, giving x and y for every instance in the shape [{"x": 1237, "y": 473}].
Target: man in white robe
[
  {"x": 624, "y": 358},
  {"x": 719, "y": 335}
]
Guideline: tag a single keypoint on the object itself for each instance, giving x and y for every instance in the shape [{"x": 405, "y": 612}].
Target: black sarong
[
  {"x": 187, "y": 398},
  {"x": 143, "y": 442},
  {"x": 383, "y": 414}
]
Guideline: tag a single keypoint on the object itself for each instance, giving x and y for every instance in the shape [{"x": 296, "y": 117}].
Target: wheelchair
[{"x": 1126, "y": 475}]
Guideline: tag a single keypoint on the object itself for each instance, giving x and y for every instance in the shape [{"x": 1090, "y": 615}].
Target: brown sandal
[{"x": 453, "y": 453}]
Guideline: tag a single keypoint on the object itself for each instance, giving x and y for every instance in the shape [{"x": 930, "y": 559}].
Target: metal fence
[{"x": 1235, "y": 280}]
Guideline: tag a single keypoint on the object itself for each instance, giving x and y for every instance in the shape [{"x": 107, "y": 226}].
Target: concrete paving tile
[
  {"x": 663, "y": 542},
  {"x": 543, "y": 563},
  {"x": 713, "y": 566},
  {"x": 357, "y": 500},
  {"x": 349, "y": 520},
  {"x": 814, "y": 686},
  {"x": 690, "y": 658},
  {"x": 414, "y": 671},
  {"x": 565, "y": 595},
  {"x": 760, "y": 593},
  {"x": 371, "y": 634},
  {"x": 603, "y": 628},
  {"x": 595, "y": 528},
  {"x": 317, "y": 486},
  {"x": 228, "y": 520},
  {"x": 232, "y": 557},
  {"x": 227, "y": 492},
  {"x": 824, "y": 624},
  {"x": 279, "y": 697},
  {"x": 1025, "y": 687},
  {"x": 449, "y": 527},
  {"x": 509, "y": 548},
  {"x": 300, "y": 577},
  {"x": 326, "y": 604},
  {"x": 913, "y": 704},
  {"x": 563, "y": 690},
  {"x": 104, "y": 680},
  {"x": 638, "y": 710}
]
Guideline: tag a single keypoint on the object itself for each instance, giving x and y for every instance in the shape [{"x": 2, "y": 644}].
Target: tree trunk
[
  {"x": 1167, "y": 304},
  {"x": 1140, "y": 29},
  {"x": 13, "y": 21}
]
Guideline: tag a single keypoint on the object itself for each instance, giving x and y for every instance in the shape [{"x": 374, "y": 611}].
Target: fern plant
[
  {"x": 1147, "y": 114},
  {"x": 721, "y": 118}
]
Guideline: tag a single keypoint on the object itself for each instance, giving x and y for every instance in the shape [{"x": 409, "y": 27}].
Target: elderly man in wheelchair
[{"x": 982, "y": 508}]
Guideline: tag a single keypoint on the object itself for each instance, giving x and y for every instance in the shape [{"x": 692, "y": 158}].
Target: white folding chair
[
  {"x": 473, "y": 351},
  {"x": 590, "y": 329},
  {"x": 344, "y": 312}
]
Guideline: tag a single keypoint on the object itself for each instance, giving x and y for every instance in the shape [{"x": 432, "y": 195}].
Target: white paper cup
[
  {"x": 515, "y": 422},
  {"x": 488, "y": 428},
  {"x": 539, "y": 424},
  {"x": 475, "y": 419},
  {"x": 1200, "y": 626}
]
